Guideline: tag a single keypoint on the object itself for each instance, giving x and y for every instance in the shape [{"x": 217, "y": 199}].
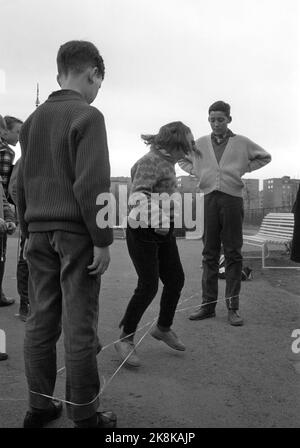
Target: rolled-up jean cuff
[
  {"x": 233, "y": 303},
  {"x": 38, "y": 402},
  {"x": 77, "y": 413}
]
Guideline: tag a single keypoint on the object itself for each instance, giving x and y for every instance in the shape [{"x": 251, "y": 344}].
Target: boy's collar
[{"x": 221, "y": 138}]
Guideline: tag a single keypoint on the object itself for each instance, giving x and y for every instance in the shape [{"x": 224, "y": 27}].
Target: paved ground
[{"x": 228, "y": 377}]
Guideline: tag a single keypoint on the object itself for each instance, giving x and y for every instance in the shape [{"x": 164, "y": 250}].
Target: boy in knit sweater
[
  {"x": 64, "y": 167},
  {"x": 219, "y": 161}
]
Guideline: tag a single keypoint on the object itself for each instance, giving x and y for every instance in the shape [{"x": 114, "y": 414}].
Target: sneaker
[
  {"x": 169, "y": 338},
  {"x": 38, "y": 418},
  {"x": 234, "y": 318},
  {"x": 126, "y": 351},
  {"x": 105, "y": 419},
  {"x": 202, "y": 313}
]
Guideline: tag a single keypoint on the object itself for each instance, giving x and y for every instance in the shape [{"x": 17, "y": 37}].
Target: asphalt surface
[{"x": 242, "y": 377}]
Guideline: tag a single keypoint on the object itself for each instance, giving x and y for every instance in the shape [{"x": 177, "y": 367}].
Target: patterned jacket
[{"x": 7, "y": 156}]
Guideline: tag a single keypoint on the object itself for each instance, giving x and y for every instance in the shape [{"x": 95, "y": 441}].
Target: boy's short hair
[
  {"x": 11, "y": 121},
  {"x": 76, "y": 55},
  {"x": 220, "y": 106},
  {"x": 2, "y": 124}
]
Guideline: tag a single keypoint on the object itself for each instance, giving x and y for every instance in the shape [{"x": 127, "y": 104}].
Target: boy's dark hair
[
  {"x": 11, "y": 121},
  {"x": 76, "y": 55},
  {"x": 220, "y": 106},
  {"x": 170, "y": 136}
]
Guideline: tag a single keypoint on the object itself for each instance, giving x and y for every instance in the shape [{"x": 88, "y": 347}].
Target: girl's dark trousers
[{"x": 154, "y": 257}]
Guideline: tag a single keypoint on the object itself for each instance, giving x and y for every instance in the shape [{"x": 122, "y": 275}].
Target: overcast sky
[{"x": 166, "y": 60}]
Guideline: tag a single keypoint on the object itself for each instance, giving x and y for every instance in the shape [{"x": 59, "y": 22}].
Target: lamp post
[{"x": 37, "y": 101}]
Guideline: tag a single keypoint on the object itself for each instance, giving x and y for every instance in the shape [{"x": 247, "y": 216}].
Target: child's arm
[
  {"x": 9, "y": 215},
  {"x": 92, "y": 175},
  {"x": 258, "y": 157},
  {"x": 21, "y": 202},
  {"x": 187, "y": 164}
]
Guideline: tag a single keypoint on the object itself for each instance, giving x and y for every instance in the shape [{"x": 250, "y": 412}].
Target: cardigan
[{"x": 240, "y": 156}]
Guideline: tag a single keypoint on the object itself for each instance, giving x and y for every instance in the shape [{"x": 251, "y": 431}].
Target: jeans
[
  {"x": 154, "y": 257},
  {"x": 63, "y": 296},
  {"x": 223, "y": 223},
  {"x": 22, "y": 277}
]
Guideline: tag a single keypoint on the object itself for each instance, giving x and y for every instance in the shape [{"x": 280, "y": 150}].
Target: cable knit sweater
[
  {"x": 64, "y": 167},
  {"x": 240, "y": 156}
]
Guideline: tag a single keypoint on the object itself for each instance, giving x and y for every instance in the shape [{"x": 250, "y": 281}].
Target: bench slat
[{"x": 275, "y": 228}]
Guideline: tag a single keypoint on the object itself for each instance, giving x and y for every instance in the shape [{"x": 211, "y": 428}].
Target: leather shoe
[
  {"x": 3, "y": 356},
  {"x": 168, "y": 337},
  {"x": 5, "y": 301},
  {"x": 38, "y": 418},
  {"x": 234, "y": 318},
  {"x": 105, "y": 419},
  {"x": 202, "y": 313},
  {"x": 126, "y": 351}
]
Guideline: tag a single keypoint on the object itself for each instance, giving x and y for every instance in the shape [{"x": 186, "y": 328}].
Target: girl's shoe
[
  {"x": 126, "y": 351},
  {"x": 168, "y": 337}
]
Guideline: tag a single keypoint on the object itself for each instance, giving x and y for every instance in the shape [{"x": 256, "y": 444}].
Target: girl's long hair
[{"x": 170, "y": 137}]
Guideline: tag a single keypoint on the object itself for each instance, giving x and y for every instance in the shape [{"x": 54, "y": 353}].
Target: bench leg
[{"x": 263, "y": 256}]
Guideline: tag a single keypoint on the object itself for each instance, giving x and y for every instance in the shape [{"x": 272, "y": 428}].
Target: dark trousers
[
  {"x": 22, "y": 277},
  {"x": 3, "y": 245},
  {"x": 223, "y": 224},
  {"x": 154, "y": 257},
  {"x": 64, "y": 296}
]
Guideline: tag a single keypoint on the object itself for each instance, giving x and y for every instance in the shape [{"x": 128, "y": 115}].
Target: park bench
[{"x": 276, "y": 228}]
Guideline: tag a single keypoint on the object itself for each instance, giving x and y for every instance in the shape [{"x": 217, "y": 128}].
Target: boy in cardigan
[
  {"x": 219, "y": 161},
  {"x": 64, "y": 167}
]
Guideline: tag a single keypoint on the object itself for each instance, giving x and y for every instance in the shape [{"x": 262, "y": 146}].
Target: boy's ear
[
  {"x": 92, "y": 72},
  {"x": 229, "y": 119}
]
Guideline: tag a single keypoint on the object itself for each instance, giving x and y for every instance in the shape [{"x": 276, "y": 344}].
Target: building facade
[
  {"x": 251, "y": 194},
  {"x": 280, "y": 192}
]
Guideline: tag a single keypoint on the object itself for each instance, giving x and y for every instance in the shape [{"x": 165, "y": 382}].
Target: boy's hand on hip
[{"x": 101, "y": 260}]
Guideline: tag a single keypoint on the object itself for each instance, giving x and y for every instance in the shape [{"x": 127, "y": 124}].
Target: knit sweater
[
  {"x": 64, "y": 167},
  {"x": 240, "y": 156},
  {"x": 153, "y": 173}
]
